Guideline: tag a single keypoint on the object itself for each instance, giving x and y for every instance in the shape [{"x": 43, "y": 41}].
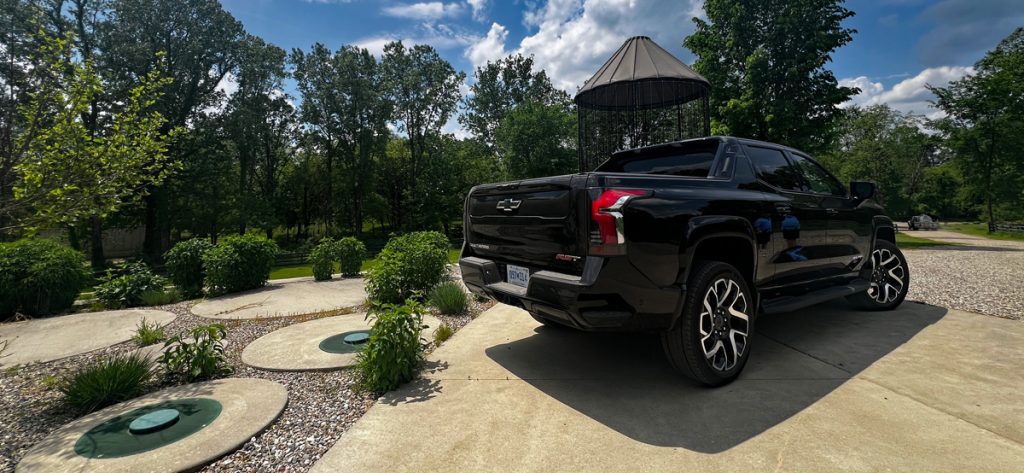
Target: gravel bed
[
  {"x": 321, "y": 405},
  {"x": 974, "y": 274}
]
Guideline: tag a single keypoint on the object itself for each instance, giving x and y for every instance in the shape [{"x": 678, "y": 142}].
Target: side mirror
[{"x": 860, "y": 190}]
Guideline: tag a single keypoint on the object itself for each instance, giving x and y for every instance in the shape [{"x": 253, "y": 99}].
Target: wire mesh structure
[{"x": 643, "y": 95}]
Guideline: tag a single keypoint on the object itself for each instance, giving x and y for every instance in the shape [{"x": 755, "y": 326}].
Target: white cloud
[
  {"x": 909, "y": 95},
  {"x": 479, "y": 9},
  {"x": 572, "y": 38},
  {"x": 426, "y": 11},
  {"x": 228, "y": 85},
  {"x": 489, "y": 48}
]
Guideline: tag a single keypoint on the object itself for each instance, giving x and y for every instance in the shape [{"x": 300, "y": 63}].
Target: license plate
[{"x": 518, "y": 275}]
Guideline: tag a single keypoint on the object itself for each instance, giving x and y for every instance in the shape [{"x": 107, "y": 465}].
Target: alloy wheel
[
  {"x": 888, "y": 276},
  {"x": 724, "y": 324}
]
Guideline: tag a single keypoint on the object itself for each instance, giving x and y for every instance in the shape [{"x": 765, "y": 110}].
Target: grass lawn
[
  {"x": 981, "y": 229},
  {"x": 306, "y": 269},
  {"x": 908, "y": 242}
]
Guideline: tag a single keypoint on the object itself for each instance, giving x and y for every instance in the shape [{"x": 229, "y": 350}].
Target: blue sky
[{"x": 901, "y": 45}]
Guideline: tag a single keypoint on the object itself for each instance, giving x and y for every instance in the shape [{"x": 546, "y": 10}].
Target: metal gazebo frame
[{"x": 642, "y": 95}]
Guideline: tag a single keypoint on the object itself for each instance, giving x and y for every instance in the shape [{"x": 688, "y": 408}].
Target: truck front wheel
[{"x": 710, "y": 341}]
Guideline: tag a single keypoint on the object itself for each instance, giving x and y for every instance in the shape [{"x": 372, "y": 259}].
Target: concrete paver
[
  {"x": 280, "y": 299},
  {"x": 54, "y": 338},
  {"x": 248, "y": 405},
  {"x": 827, "y": 389}
]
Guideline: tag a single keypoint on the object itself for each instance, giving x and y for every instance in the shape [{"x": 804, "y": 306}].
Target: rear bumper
[{"x": 610, "y": 294}]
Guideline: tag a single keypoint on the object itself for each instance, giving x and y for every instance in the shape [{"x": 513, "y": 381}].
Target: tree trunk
[
  {"x": 96, "y": 256},
  {"x": 151, "y": 240}
]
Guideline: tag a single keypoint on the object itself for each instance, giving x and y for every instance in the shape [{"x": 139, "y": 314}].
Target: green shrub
[
  {"x": 202, "y": 358},
  {"x": 39, "y": 277},
  {"x": 409, "y": 263},
  {"x": 351, "y": 253},
  {"x": 147, "y": 334},
  {"x": 185, "y": 266},
  {"x": 322, "y": 257},
  {"x": 444, "y": 332},
  {"x": 449, "y": 298},
  {"x": 107, "y": 381},
  {"x": 160, "y": 297},
  {"x": 394, "y": 351},
  {"x": 117, "y": 291},
  {"x": 238, "y": 263}
]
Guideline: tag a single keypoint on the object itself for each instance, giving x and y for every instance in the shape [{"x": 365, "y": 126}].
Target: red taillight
[{"x": 605, "y": 212}]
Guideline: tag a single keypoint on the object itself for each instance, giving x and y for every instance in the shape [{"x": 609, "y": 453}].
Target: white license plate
[{"x": 518, "y": 275}]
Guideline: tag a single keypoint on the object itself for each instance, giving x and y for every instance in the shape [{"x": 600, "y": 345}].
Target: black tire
[
  {"x": 686, "y": 345},
  {"x": 889, "y": 286}
]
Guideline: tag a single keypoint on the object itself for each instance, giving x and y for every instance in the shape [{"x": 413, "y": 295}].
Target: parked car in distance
[
  {"x": 922, "y": 222},
  {"x": 693, "y": 239}
]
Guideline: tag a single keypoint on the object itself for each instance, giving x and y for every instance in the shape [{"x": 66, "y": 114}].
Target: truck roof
[{"x": 661, "y": 146}]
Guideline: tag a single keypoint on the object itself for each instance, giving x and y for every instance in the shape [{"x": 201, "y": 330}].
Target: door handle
[
  {"x": 831, "y": 211},
  {"x": 783, "y": 208}
]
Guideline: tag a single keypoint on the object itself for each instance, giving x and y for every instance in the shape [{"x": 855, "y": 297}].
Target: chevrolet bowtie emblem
[{"x": 509, "y": 205}]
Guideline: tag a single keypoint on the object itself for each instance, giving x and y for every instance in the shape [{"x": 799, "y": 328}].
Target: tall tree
[
  {"x": 502, "y": 85},
  {"x": 200, "y": 41},
  {"x": 538, "y": 140},
  {"x": 424, "y": 89},
  {"x": 985, "y": 126},
  {"x": 766, "y": 62}
]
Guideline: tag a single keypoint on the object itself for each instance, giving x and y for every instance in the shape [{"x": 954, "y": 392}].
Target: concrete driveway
[{"x": 827, "y": 389}]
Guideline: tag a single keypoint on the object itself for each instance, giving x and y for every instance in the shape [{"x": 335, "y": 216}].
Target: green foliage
[
  {"x": 449, "y": 298},
  {"x": 538, "y": 140},
  {"x": 199, "y": 359},
  {"x": 766, "y": 64},
  {"x": 350, "y": 253},
  {"x": 322, "y": 257},
  {"x": 68, "y": 168},
  {"x": 414, "y": 262},
  {"x": 118, "y": 290},
  {"x": 106, "y": 382},
  {"x": 394, "y": 351},
  {"x": 148, "y": 333},
  {"x": 238, "y": 263},
  {"x": 39, "y": 277},
  {"x": 442, "y": 334},
  {"x": 185, "y": 266}
]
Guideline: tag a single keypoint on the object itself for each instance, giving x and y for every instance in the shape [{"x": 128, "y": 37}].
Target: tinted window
[
  {"x": 690, "y": 159},
  {"x": 817, "y": 178},
  {"x": 773, "y": 168}
]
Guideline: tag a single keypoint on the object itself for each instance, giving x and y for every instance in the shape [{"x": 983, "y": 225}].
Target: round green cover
[
  {"x": 112, "y": 439},
  {"x": 337, "y": 343}
]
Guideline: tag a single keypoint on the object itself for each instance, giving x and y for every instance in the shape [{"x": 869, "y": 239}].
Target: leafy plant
[
  {"x": 394, "y": 351},
  {"x": 50, "y": 381},
  {"x": 147, "y": 334},
  {"x": 408, "y": 263},
  {"x": 117, "y": 291},
  {"x": 322, "y": 257},
  {"x": 185, "y": 266},
  {"x": 39, "y": 277},
  {"x": 239, "y": 263},
  {"x": 160, "y": 297},
  {"x": 108, "y": 381},
  {"x": 350, "y": 253},
  {"x": 449, "y": 298},
  {"x": 443, "y": 333},
  {"x": 199, "y": 359}
]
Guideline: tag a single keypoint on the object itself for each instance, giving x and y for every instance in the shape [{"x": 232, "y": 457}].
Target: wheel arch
[{"x": 729, "y": 239}]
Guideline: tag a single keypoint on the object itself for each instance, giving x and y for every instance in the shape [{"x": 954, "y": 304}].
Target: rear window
[{"x": 688, "y": 159}]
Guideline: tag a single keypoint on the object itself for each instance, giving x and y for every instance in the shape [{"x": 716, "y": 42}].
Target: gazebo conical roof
[{"x": 641, "y": 75}]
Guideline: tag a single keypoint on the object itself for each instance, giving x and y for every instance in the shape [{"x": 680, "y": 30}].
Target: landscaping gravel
[
  {"x": 321, "y": 405},
  {"x": 976, "y": 275}
]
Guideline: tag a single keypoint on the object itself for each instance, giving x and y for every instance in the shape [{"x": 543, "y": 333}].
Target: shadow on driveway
[{"x": 623, "y": 381}]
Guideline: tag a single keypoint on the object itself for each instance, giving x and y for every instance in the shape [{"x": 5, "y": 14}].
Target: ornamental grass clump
[
  {"x": 39, "y": 277},
  {"x": 185, "y": 266},
  {"x": 239, "y": 263},
  {"x": 147, "y": 334},
  {"x": 106, "y": 382},
  {"x": 394, "y": 351},
  {"x": 449, "y": 298},
  {"x": 130, "y": 287},
  {"x": 410, "y": 263}
]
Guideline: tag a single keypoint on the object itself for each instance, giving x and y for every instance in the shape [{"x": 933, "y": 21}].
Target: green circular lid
[
  {"x": 116, "y": 437},
  {"x": 154, "y": 421},
  {"x": 348, "y": 342},
  {"x": 357, "y": 338}
]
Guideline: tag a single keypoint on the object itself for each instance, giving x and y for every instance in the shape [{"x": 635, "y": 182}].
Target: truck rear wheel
[
  {"x": 710, "y": 341},
  {"x": 889, "y": 275}
]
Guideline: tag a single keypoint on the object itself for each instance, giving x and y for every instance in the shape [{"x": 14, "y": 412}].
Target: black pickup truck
[{"x": 693, "y": 239}]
